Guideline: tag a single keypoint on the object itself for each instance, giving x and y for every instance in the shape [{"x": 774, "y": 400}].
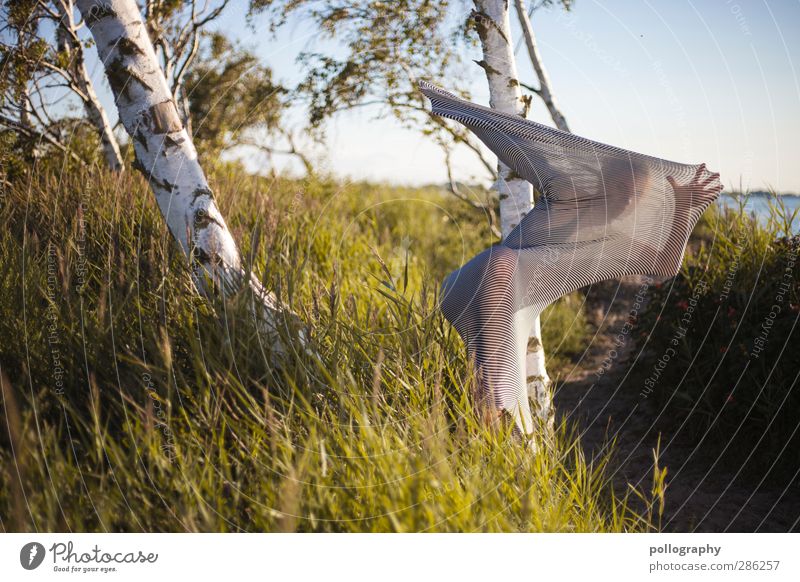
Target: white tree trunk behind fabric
[
  {"x": 536, "y": 60},
  {"x": 165, "y": 153},
  {"x": 95, "y": 113},
  {"x": 515, "y": 193}
]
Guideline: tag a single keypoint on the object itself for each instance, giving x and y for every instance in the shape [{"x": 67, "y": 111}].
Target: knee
[
  {"x": 488, "y": 278},
  {"x": 496, "y": 277},
  {"x": 501, "y": 264}
]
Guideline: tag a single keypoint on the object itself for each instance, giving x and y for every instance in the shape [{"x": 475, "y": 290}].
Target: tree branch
[
  {"x": 544, "y": 91},
  {"x": 31, "y": 132}
]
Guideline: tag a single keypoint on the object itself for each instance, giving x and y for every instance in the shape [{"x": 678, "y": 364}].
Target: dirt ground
[{"x": 704, "y": 493}]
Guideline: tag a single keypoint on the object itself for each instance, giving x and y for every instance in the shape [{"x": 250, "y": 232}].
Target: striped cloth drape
[{"x": 604, "y": 212}]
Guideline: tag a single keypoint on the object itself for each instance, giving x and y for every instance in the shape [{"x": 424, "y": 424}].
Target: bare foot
[{"x": 701, "y": 190}]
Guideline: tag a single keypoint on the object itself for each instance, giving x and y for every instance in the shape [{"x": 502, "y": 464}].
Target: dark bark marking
[
  {"x": 128, "y": 47},
  {"x": 120, "y": 76},
  {"x": 162, "y": 184},
  {"x": 201, "y": 256},
  {"x": 483, "y": 22},
  {"x": 487, "y": 67},
  {"x": 98, "y": 12},
  {"x": 174, "y": 142},
  {"x": 140, "y": 136},
  {"x": 202, "y": 191},
  {"x": 534, "y": 344},
  {"x": 202, "y": 220}
]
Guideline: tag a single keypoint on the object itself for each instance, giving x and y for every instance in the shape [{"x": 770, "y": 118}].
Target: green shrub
[{"x": 721, "y": 355}]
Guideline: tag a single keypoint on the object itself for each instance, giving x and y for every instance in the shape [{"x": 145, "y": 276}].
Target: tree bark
[
  {"x": 69, "y": 43},
  {"x": 491, "y": 18},
  {"x": 492, "y": 22},
  {"x": 544, "y": 90},
  {"x": 166, "y": 155}
]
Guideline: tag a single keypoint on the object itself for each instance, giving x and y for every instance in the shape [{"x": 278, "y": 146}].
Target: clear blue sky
[{"x": 703, "y": 80}]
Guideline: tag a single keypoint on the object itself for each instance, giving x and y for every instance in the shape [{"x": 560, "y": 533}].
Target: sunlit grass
[{"x": 133, "y": 405}]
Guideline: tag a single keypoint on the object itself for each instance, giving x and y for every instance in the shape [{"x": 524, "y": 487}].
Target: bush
[{"x": 721, "y": 355}]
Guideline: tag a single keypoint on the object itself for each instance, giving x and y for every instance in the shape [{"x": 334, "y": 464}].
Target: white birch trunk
[
  {"x": 515, "y": 193},
  {"x": 544, "y": 80},
  {"x": 166, "y": 155},
  {"x": 95, "y": 112}
]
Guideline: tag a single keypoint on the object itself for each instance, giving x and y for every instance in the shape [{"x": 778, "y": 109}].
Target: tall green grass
[{"x": 130, "y": 404}]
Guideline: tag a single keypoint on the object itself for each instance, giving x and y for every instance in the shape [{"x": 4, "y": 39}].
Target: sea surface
[{"x": 759, "y": 206}]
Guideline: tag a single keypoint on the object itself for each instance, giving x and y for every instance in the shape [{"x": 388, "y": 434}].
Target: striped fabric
[{"x": 604, "y": 212}]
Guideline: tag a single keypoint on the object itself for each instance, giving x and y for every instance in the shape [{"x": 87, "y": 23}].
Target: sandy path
[{"x": 701, "y": 496}]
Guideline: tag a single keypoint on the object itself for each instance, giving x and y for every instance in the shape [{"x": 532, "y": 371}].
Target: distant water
[{"x": 759, "y": 206}]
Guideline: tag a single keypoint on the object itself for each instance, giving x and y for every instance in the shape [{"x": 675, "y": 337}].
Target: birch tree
[
  {"x": 166, "y": 155},
  {"x": 382, "y": 50},
  {"x": 543, "y": 91},
  {"x": 492, "y": 23},
  {"x": 41, "y": 56},
  {"x": 81, "y": 83}
]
